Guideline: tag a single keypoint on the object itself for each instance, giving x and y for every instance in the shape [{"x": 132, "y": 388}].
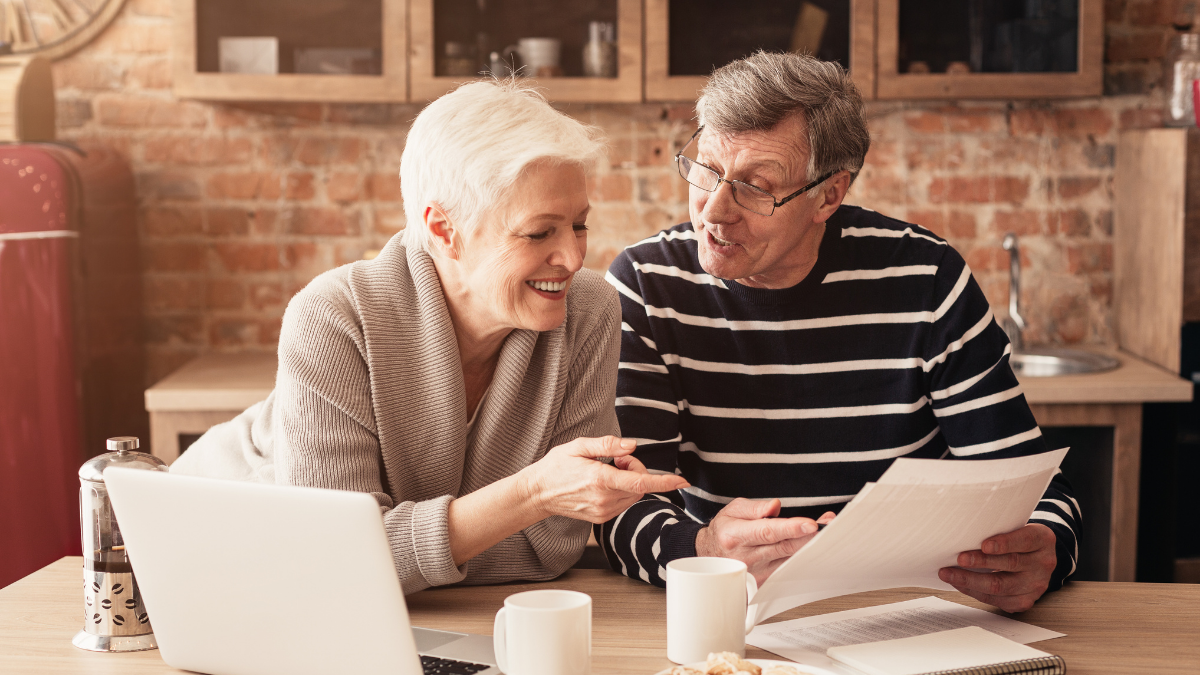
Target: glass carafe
[
  {"x": 1181, "y": 67},
  {"x": 115, "y": 618}
]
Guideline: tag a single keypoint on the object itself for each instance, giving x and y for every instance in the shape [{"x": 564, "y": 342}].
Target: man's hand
[
  {"x": 1023, "y": 560},
  {"x": 748, "y": 531}
]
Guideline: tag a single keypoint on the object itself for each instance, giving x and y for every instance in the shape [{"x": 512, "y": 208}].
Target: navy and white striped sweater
[{"x": 887, "y": 349}]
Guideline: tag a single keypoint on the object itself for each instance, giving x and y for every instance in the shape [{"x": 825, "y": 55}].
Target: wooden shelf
[
  {"x": 390, "y": 86},
  {"x": 625, "y": 88}
]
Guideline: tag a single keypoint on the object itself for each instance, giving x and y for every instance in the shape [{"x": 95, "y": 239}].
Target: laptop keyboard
[{"x": 432, "y": 665}]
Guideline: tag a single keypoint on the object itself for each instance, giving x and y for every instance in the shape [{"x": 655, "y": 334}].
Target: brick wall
[{"x": 241, "y": 205}]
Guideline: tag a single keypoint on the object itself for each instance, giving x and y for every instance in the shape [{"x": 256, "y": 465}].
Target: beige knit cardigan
[{"x": 369, "y": 397}]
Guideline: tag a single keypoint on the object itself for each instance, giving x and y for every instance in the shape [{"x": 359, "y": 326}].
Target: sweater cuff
[
  {"x": 678, "y": 541},
  {"x": 431, "y": 542}
]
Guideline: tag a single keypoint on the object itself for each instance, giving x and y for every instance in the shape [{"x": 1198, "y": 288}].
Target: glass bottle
[
  {"x": 115, "y": 618},
  {"x": 1182, "y": 67}
]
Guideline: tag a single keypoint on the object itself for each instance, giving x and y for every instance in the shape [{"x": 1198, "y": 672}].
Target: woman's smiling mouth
[{"x": 550, "y": 289}]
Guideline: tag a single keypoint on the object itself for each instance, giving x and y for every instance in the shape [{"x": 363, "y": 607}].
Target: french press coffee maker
[{"x": 115, "y": 618}]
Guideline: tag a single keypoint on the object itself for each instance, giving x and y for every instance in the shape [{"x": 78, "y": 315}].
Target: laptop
[{"x": 250, "y": 579}]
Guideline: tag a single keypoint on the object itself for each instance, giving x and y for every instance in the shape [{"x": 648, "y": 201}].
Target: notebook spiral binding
[{"x": 1042, "y": 665}]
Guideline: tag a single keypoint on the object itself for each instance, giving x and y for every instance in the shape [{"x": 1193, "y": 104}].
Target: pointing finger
[{"x": 605, "y": 446}]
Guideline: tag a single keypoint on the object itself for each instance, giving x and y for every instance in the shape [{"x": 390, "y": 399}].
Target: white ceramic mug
[
  {"x": 706, "y": 607},
  {"x": 544, "y": 633},
  {"x": 539, "y": 52}
]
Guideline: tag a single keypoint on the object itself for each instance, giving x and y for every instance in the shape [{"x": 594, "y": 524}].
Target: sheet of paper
[
  {"x": 968, "y": 647},
  {"x": 805, "y": 640},
  {"x": 900, "y": 531}
]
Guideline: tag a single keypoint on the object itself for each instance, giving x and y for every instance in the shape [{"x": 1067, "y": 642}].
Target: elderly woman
[{"x": 466, "y": 376}]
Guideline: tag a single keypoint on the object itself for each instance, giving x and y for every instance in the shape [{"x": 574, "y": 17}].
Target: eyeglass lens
[{"x": 748, "y": 196}]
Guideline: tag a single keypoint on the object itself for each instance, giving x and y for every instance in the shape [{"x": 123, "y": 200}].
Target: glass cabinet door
[
  {"x": 285, "y": 50},
  {"x": 687, "y": 39},
  {"x": 582, "y": 50},
  {"x": 990, "y": 48}
]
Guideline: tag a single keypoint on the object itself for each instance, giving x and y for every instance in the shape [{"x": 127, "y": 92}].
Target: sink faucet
[{"x": 1015, "y": 323}]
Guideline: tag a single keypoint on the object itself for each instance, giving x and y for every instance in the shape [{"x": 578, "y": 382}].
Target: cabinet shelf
[{"x": 626, "y": 87}]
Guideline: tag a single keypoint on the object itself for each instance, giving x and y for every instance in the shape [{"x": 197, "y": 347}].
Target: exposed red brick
[
  {"x": 127, "y": 111},
  {"x": 1064, "y": 122},
  {"x": 1073, "y": 187},
  {"x": 325, "y": 151},
  {"x": 1089, "y": 257},
  {"x": 320, "y": 221},
  {"x": 266, "y": 295},
  {"x": 979, "y": 189},
  {"x": 680, "y": 112},
  {"x": 1070, "y": 222},
  {"x": 169, "y": 293},
  {"x": 173, "y": 221},
  {"x": 1151, "y": 12},
  {"x": 133, "y": 38},
  {"x": 226, "y": 294},
  {"x": 88, "y": 74},
  {"x": 654, "y": 152},
  {"x": 224, "y": 222},
  {"x": 1137, "y": 45},
  {"x": 612, "y": 187},
  {"x": 1022, "y": 223},
  {"x": 268, "y": 330},
  {"x": 244, "y": 185},
  {"x": 1114, "y": 10},
  {"x": 174, "y": 257},
  {"x": 1141, "y": 118},
  {"x": 388, "y": 220},
  {"x": 200, "y": 151},
  {"x": 926, "y": 122},
  {"x": 248, "y": 257},
  {"x": 160, "y": 8},
  {"x": 987, "y": 259},
  {"x": 343, "y": 187},
  {"x": 384, "y": 187},
  {"x": 174, "y": 330},
  {"x": 231, "y": 332},
  {"x": 300, "y": 186},
  {"x": 151, "y": 72}
]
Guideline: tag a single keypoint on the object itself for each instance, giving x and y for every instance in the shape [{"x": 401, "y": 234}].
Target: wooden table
[
  {"x": 1119, "y": 628},
  {"x": 216, "y": 387}
]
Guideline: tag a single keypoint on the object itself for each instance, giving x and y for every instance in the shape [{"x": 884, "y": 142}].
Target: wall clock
[{"x": 54, "y": 28}]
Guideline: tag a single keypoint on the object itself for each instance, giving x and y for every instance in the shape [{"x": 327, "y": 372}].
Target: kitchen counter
[{"x": 215, "y": 388}]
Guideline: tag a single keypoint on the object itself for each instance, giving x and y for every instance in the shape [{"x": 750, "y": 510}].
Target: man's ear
[
  {"x": 443, "y": 236},
  {"x": 833, "y": 193}
]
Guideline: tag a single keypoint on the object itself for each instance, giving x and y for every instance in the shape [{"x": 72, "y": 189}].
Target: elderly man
[{"x": 781, "y": 349}]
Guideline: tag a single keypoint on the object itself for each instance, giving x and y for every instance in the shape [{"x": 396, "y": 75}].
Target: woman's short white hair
[{"x": 467, "y": 148}]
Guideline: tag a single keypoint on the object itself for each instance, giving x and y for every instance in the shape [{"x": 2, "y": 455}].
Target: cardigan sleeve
[{"x": 325, "y": 435}]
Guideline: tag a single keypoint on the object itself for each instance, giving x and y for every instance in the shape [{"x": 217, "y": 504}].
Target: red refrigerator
[{"x": 71, "y": 357}]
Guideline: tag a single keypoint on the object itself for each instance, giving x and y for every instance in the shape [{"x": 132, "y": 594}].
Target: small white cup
[
  {"x": 539, "y": 52},
  {"x": 544, "y": 633},
  {"x": 706, "y": 607}
]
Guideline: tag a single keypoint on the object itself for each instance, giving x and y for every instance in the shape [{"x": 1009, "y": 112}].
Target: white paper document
[
  {"x": 901, "y": 530},
  {"x": 805, "y": 640}
]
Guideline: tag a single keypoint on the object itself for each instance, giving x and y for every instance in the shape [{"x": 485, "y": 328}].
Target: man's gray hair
[{"x": 758, "y": 92}]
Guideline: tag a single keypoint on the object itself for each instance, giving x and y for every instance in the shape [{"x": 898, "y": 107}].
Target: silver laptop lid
[{"x": 248, "y": 579}]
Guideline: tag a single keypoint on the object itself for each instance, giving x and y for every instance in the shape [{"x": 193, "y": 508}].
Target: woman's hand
[{"x": 569, "y": 481}]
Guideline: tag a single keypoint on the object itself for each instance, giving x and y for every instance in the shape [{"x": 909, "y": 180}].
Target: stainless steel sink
[{"x": 1051, "y": 361}]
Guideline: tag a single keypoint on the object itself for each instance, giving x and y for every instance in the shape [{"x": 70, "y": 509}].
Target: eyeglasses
[{"x": 746, "y": 195}]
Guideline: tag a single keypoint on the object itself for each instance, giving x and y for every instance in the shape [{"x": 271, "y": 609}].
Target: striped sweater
[{"x": 888, "y": 348}]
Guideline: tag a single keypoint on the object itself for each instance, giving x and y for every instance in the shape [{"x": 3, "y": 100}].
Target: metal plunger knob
[{"x": 123, "y": 443}]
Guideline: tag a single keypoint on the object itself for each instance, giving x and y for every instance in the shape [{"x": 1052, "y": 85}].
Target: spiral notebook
[{"x": 963, "y": 651}]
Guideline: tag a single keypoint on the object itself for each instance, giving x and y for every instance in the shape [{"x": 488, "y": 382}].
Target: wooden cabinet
[
  {"x": 433, "y": 23},
  {"x": 894, "y": 49},
  {"x": 328, "y": 50},
  {"x": 687, "y": 39},
  {"x": 919, "y": 39},
  {"x": 1156, "y": 241}
]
